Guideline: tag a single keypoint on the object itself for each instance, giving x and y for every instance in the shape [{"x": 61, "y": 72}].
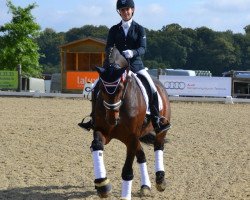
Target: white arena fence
[
  {"x": 180, "y": 88},
  {"x": 228, "y": 99}
]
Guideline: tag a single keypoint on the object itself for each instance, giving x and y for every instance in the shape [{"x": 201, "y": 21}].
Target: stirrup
[
  {"x": 86, "y": 125},
  {"x": 162, "y": 127}
]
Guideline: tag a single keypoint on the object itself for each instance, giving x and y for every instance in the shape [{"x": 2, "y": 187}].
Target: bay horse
[{"x": 120, "y": 113}]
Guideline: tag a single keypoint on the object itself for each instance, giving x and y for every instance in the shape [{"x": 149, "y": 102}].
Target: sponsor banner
[
  {"x": 197, "y": 85},
  {"x": 77, "y": 80},
  {"x": 8, "y": 80}
]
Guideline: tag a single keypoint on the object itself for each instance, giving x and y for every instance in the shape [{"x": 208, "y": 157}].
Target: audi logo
[{"x": 174, "y": 85}]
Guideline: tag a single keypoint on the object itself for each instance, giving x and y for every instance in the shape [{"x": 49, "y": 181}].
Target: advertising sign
[
  {"x": 197, "y": 85},
  {"x": 8, "y": 80},
  {"x": 76, "y": 80}
]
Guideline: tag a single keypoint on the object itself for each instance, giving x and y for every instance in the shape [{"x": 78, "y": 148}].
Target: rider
[{"x": 130, "y": 39}]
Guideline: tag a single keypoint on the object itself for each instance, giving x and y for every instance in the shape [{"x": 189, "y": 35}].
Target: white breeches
[{"x": 144, "y": 73}]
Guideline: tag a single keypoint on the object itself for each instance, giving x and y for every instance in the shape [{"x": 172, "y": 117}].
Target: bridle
[{"x": 115, "y": 106}]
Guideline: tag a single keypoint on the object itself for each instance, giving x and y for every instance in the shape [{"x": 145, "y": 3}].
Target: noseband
[{"x": 114, "y": 106}]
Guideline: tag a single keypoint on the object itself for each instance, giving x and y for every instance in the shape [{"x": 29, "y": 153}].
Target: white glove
[{"x": 128, "y": 53}]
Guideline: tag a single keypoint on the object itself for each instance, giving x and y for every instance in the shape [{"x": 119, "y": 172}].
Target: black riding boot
[
  {"x": 90, "y": 124},
  {"x": 156, "y": 119}
]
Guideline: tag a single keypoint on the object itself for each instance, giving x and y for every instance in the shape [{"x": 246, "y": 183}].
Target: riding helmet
[{"x": 124, "y": 3}]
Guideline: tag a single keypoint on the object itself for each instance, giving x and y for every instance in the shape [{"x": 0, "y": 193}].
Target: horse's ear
[{"x": 100, "y": 70}]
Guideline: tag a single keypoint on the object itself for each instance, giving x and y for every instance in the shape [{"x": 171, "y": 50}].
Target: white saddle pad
[{"x": 145, "y": 95}]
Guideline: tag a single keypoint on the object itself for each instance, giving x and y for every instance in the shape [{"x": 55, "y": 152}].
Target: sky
[{"x": 62, "y": 15}]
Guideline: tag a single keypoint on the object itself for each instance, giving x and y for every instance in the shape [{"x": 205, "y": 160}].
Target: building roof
[{"x": 101, "y": 41}]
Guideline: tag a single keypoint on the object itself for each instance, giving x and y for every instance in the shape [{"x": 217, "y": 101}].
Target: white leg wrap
[
  {"x": 99, "y": 168},
  {"x": 126, "y": 189},
  {"x": 159, "y": 166},
  {"x": 144, "y": 175}
]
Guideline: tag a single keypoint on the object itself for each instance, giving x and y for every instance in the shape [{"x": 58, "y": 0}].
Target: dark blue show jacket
[{"x": 135, "y": 41}]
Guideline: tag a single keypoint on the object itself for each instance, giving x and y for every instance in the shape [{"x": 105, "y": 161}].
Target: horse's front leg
[
  {"x": 127, "y": 170},
  {"x": 102, "y": 184},
  {"x": 159, "y": 164}
]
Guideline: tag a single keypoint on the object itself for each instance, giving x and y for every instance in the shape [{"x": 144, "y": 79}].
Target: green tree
[
  {"x": 49, "y": 42},
  {"x": 172, "y": 45},
  {"x": 18, "y": 44},
  {"x": 223, "y": 54},
  {"x": 246, "y": 53},
  {"x": 247, "y": 29},
  {"x": 202, "y": 58},
  {"x": 73, "y": 34}
]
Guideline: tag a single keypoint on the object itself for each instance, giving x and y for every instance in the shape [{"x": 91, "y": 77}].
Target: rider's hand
[{"x": 128, "y": 53}]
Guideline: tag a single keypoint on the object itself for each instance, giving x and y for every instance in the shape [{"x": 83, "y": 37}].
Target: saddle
[{"x": 146, "y": 91}]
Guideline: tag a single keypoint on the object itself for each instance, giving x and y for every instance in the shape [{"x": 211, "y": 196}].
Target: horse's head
[{"x": 112, "y": 88}]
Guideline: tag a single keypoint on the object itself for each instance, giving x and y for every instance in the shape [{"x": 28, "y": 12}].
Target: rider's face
[{"x": 126, "y": 13}]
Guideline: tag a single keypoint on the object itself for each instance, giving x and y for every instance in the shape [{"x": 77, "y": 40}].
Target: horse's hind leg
[
  {"x": 102, "y": 184},
  {"x": 145, "y": 181},
  {"x": 159, "y": 165}
]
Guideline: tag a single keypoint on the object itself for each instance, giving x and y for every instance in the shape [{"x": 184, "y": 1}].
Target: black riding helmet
[{"x": 124, "y": 3}]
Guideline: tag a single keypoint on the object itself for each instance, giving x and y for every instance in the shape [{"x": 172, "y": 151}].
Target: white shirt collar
[{"x": 127, "y": 24}]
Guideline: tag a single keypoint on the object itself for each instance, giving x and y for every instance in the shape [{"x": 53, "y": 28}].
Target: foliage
[
  {"x": 17, "y": 41},
  {"x": 86, "y": 31},
  {"x": 198, "y": 49},
  {"x": 49, "y": 42}
]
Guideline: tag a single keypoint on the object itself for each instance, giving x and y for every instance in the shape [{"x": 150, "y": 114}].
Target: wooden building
[{"x": 78, "y": 62}]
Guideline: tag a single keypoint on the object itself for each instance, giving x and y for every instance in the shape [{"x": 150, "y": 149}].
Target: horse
[{"x": 120, "y": 113}]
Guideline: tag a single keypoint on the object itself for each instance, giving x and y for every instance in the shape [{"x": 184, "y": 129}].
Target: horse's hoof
[
  {"x": 103, "y": 189},
  {"x": 161, "y": 183},
  {"x": 161, "y": 186},
  {"x": 145, "y": 191}
]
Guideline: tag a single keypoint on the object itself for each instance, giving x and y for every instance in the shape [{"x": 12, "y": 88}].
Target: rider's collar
[{"x": 127, "y": 24}]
